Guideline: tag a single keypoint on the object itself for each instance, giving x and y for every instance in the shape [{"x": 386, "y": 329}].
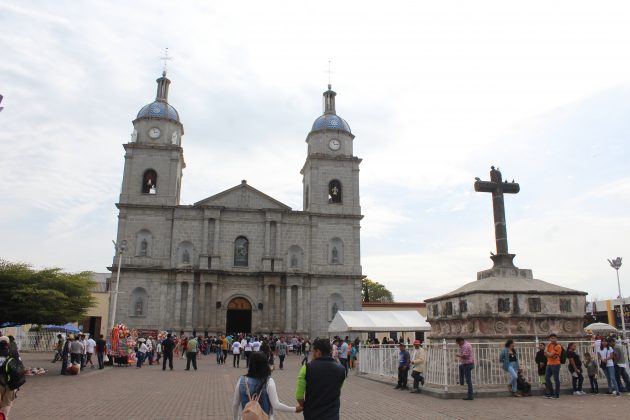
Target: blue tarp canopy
[
  {"x": 8, "y": 324},
  {"x": 66, "y": 328}
]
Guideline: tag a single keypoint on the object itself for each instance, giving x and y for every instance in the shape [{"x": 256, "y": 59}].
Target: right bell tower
[{"x": 331, "y": 171}]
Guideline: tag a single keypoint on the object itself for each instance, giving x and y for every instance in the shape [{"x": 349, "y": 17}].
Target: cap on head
[
  {"x": 4, "y": 339},
  {"x": 417, "y": 343}
]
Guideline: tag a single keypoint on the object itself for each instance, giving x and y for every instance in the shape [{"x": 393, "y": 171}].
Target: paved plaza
[{"x": 150, "y": 393}]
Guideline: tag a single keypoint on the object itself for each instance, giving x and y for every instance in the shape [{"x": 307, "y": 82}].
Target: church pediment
[{"x": 243, "y": 196}]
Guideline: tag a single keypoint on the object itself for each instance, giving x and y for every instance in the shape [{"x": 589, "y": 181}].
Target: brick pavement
[{"x": 149, "y": 393}]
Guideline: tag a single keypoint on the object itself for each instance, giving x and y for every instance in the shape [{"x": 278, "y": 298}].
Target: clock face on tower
[
  {"x": 154, "y": 133},
  {"x": 334, "y": 144}
]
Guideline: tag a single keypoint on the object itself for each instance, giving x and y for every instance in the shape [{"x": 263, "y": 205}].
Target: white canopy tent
[{"x": 377, "y": 321}]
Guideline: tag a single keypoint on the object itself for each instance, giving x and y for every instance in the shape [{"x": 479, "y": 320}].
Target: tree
[
  {"x": 48, "y": 296},
  {"x": 373, "y": 291}
]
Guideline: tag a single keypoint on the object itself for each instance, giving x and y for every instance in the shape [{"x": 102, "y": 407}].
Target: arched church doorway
[{"x": 239, "y": 316}]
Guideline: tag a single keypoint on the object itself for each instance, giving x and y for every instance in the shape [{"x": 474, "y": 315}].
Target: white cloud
[{"x": 436, "y": 92}]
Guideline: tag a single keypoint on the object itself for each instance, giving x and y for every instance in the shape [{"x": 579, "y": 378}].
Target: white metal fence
[
  {"x": 442, "y": 366},
  {"x": 36, "y": 341}
]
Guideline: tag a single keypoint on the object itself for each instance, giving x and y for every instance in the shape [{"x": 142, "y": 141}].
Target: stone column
[
  {"x": 300, "y": 309},
  {"x": 212, "y": 308},
  {"x": 189, "y": 306},
  {"x": 267, "y": 237},
  {"x": 217, "y": 226},
  {"x": 265, "y": 314},
  {"x": 277, "y": 309},
  {"x": 217, "y": 292},
  {"x": 178, "y": 304},
  {"x": 163, "y": 307},
  {"x": 201, "y": 321},
  {"x": 287, "y": 322}
]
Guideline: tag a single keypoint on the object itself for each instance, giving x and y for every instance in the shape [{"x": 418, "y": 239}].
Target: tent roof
[{"x": 378, "y": 321}]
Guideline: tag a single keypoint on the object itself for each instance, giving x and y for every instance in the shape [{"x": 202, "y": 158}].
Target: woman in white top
[
  {"x": 258, "y": 381},
  {"x": 606, "y": 355}
]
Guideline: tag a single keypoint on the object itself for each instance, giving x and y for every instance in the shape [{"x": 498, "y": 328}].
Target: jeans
[
  {"x": 140, "y": 356},
  {"x": 99, "y": 357},
  {"x": 621, "y": 374},
  {"x": 236, "y": 360},
  {"x": 305, "y": 360},
  {"x": 219, "y": 356},
  {"x": 594, "y": 385},
  {"x": 612, "y": 381},
  {"x": 191, "y": 357},
  {"x": 403, "y": 373},
  {"x": 513, "y": 371},
  {"x": 281, "y": 357},
  {"x": 465, "y": 374},
  {"x": 344, "y": 363},
  {"x": 417, "y": 379},
  {"x": 247, "y": 354},
  {"x": 577, "y": 380},
  {"x": 555, "y": 371},
  {"x": 75, "y": 358},
  {"x": 167, "y": 357}
]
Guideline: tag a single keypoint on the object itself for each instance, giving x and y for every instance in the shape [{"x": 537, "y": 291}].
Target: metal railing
[
  {"x": 36, "y": 341},
  {"x": 442, "y": 366}
]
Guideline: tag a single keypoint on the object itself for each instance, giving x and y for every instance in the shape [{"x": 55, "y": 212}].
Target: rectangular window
[
  {"x": 565, "y": 305},
  {"x": 463, "y": 306},
  {"x": 533, "y": 304},
  {"x": 448, "y": 308},
  {"x": 435, "y": 310},
  {"x": 504, "y": 304}
]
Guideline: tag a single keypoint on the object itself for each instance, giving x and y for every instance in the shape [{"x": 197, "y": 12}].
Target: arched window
[
  {"x": 139, "y": 301},
  {"x": 143, "y": 243},
  {"x": 295, "y": 257},
  {"x": 334, "y": 191},
  {"x": 185, "y": 253},
  {"x": 241, "y": 252},
  {"x": 335, "y": 304},
  {"x": 149, "y": 182},
  {"x": 335, "y": 251}
]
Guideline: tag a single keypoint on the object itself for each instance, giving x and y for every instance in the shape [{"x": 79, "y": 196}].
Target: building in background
[
  {"x": 609, "y": 312},
  {"x": 239, "y": 260}
]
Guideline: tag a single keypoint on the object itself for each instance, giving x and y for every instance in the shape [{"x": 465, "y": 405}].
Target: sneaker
[
  {"x": 555, "y": 398},
  {"x": 467, "y": 399},
  {"x": 548, "y": 397}
]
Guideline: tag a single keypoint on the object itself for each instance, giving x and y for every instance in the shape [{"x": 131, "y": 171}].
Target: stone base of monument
[{"x": 507, "y": 302}]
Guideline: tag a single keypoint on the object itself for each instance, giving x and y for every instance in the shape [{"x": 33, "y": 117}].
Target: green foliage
[
  {"x": 47, "y": 296},
  {"x": 373, "y": 291}
]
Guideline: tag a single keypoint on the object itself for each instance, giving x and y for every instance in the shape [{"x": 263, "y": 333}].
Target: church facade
[{"x": 239, "y": 260}]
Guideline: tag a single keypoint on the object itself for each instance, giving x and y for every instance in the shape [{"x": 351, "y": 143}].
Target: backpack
[
  {"x": 563, "y": 355},
  {"x": 13, "y": 373},
  {"x": 253, "y": 410}
]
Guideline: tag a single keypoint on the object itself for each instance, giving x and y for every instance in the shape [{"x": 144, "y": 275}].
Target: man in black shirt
[
  {"x": 101, "y": 347},
  {"x": 319, "y": 384},
  {"x": 167, "y": 351},
  {"x": 575, "y": 367}
]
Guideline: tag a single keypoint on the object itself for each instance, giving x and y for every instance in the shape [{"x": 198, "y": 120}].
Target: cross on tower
[
  {"x": 166, "y": 58},
  {"x": 498, "y": 187}
]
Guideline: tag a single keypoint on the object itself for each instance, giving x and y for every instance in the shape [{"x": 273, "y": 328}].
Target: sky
[{"x": 435, "y": 92}]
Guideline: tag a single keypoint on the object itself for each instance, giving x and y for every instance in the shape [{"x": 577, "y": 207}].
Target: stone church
[{"x": 239, "y": 260}]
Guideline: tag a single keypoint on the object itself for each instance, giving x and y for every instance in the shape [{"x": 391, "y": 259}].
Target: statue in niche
[
  {"x": 186, "y": 257},
  {"x": 144, "y": 245},
  {"x": 294, "y": 261},
  {"x": 134, "y": 136},
  {"x": 174, "y": 138},
  {"x": 335, "y": 255}
]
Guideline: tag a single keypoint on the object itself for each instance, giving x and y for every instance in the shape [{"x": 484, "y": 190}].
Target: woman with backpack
[
  {"x": 255, "y": 395},
  {"x": 509, "y": 363}
]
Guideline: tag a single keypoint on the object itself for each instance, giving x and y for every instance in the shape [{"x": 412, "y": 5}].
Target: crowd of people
[{"x": 607, "y": 354}]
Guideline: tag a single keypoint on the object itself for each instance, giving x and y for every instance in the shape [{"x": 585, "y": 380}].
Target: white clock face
[
  {"x": 154, "y": 133},
  {"x": 334, "y": 144}
]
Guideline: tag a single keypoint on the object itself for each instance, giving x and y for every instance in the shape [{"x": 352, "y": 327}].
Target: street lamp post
[
  {"x": 616, "y": 264},
  {"x": 120, "y": 249}
]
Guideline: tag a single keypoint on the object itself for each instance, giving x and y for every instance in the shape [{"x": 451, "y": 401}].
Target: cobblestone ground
[{"x": 150, "y": 393}]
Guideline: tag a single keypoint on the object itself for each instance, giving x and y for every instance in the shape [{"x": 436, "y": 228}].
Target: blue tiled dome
[
  {"x": 331, "y": 121},
  {"x": 159, "y": 109}
]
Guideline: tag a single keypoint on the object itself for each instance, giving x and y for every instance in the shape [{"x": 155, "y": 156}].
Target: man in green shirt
[{"x": 191, "y": 352}]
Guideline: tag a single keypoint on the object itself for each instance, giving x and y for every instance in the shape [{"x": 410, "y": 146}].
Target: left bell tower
[{"x": 154, "y": 157}]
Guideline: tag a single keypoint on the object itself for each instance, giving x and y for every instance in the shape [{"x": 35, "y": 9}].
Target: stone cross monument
[
  {"x": 496, "y": 307},
  {"x": 497, "y": 187}
]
